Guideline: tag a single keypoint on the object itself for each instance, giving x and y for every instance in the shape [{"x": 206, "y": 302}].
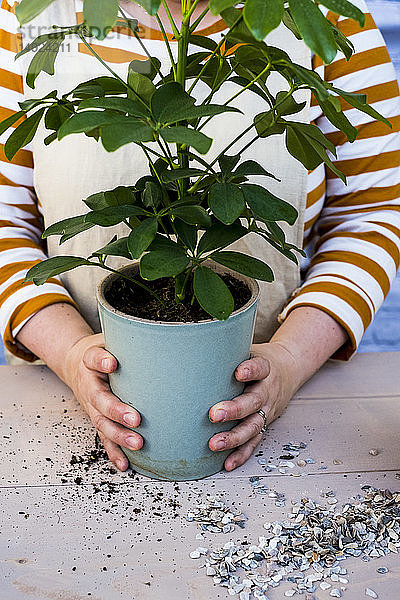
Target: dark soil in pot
[{"x": 134, "y": 301}]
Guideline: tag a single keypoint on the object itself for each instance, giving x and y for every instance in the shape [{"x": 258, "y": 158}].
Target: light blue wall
[{"x": 384, "y": 333}]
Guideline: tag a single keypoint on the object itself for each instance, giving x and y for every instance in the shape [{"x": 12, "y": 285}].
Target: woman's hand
[
  {"x": 86, "y": 372},
  {"x": 272, "y": 377}
]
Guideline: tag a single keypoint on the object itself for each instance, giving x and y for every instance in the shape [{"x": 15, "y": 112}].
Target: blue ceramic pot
[{"x": 172, "y": 373}]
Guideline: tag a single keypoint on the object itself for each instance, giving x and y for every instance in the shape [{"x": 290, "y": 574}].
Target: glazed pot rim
[{"x": 252, "y": 283}]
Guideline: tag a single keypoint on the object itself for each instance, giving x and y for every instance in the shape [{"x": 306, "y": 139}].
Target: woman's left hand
[{"x": 272, "y": 375}]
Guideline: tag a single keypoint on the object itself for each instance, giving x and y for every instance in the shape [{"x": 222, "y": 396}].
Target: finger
[
  {"x": 254, "y": 369},
  {"x": 115, "y": 453},
  {"x": 240, "y": 407},
  {"x": 115, "y": 433},
  {"x": 109, "y": 405},
  {"x": 98, "y": 359},
  {"x": 238, "y": 435},
  {"x": 239, "y": 457}
]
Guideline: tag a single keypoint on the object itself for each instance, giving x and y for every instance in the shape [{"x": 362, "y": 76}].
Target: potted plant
[{"x": 185, "y": 303}]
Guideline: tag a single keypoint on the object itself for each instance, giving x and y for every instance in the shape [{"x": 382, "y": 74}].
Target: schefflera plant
[{"x": 189, "y": 209}]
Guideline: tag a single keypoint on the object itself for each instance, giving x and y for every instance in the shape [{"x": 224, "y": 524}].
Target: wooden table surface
[{"x": 71, "y": 534}]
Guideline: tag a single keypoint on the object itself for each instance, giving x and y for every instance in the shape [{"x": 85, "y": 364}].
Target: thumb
[
  {"x": 254, "y": 369},
  {"x": 98, "y": 359}
]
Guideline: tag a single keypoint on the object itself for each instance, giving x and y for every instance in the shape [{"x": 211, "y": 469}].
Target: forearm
[
  {"x": 52, "y": 332},
  {"x": 309, "y": 336}
]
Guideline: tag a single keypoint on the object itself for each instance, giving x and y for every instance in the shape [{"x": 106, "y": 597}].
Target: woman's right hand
[{"x": 86, "y": 372}]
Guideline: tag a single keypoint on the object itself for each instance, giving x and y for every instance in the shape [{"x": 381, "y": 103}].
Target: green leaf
[
  {"x": 290, "y": 24},
  {"x": 142, "y": 236},
  {"x": 243, "y": 82},
  {"x": 345, "y": 45},
  {"x": 43, "y": 60},
  {"x": 267, "y": 207},
  {"x": 266, "y": 126},
  {"x": 193, "y": 215},
  {"x": 247, "y": 265},
  {"x": 190, "y": 137},
  {"x": 99, "y": 86},
  {"x": 177, "y": 174},
  {"x": 251, "y": 167},
  {"x": 212, "y": 293},
  {"x": 342, "y": 7},
  {"x": 262, "y": 16},
  {"x": 310, "y": 78},
  {"x": 100, "y": 16},
  {"x": 162, "y": 242},
  {"x": 203, "y": 42},
  {"x": 124, "y": 105},
  {"x": 141, "y": 86},
  {"x": 312, "y": 131},
  {"x": 27, "y": 10},
  {"x": 338, "y": 119},
  {"x": 6, "y": 123},
  {"x": 360, "y": 101},
  {"x": 31, "y": 103},
  {"x": 55, "y": 116},
  {"x": 86, "y": 121},
  {"x": 314, "y": 28},
  {"x": 51, "y": 267},
  {"x": 226, "y": 202},
  {"x": 117, "y": 247},
  {"x": 112, "y": 215},
  {"x": 217, "y": 6},
  {"x": 288, "y": 105},
  {"x": 240, "y": 32},
  {"x": 23, "y": 134},
  {"x": 152, "y": 195},
  {"x": 171, "y": 104},
  {"x": 124, "y": 132},
  {"x": 167, "y": 262},
  {"x": 299, "y": 146},
  {"x": 149, "y": 68},
  {"x": 228, "y": 163},
  {"x": 220, "y": 236},
  {"x": 150, "y": 6},
  {"x": 68, "y": 227},
  {"x": 187, "y": 234}
]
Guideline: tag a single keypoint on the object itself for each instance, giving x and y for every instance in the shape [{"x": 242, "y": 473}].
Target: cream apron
[{"x": 66, "y": 172}]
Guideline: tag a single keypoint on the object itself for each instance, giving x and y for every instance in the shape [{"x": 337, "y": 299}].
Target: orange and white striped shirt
[{"x": 354, "y": 229}]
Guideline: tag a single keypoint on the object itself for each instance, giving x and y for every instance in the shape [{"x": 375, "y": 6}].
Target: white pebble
[
  {"x": 370, "y": 593},
  {"x": 195, "y": 554},
  {"x": 324, "y": 585},
  {"x": 290, "y": 593}
]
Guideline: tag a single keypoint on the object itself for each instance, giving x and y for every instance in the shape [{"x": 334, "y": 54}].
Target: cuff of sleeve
[
  {"x": 22, "y": 314},
  {"x": 338, "y": 309}
]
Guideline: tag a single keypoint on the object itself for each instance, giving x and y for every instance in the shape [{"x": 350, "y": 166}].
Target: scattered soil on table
[{"x": 133, "y": 300}]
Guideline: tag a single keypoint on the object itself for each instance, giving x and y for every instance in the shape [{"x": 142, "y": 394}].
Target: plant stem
[
  {"x": 141, "y": 44},
  {"x": 142, "y": 285},
  {"x": 171, "y": 20},
  {"x": 197, "y": 79},
  {"x": 197, "y": 22},
  {"x": 110, "y": 70},
  {"x": 166, "y": 41}
]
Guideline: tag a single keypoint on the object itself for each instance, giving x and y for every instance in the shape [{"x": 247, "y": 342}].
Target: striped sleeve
[
  {"x": 20, "y": 218},
  {"x": 355, "y": 228}
]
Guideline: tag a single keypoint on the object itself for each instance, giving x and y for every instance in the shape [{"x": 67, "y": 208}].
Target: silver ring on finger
[{"x": 265, "y": 425}]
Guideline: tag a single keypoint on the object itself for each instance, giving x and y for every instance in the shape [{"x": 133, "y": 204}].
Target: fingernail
[
  {"x": 121, "y": 465},
  {"x": 219, "y": 415},
  {"x": 245, "y": 373},
  {"x": 220, "y": 445},
  {"x": 106, "y": 364},
  {"x": 130, "y": 419},
  {"x": 132, "y": 443}
]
